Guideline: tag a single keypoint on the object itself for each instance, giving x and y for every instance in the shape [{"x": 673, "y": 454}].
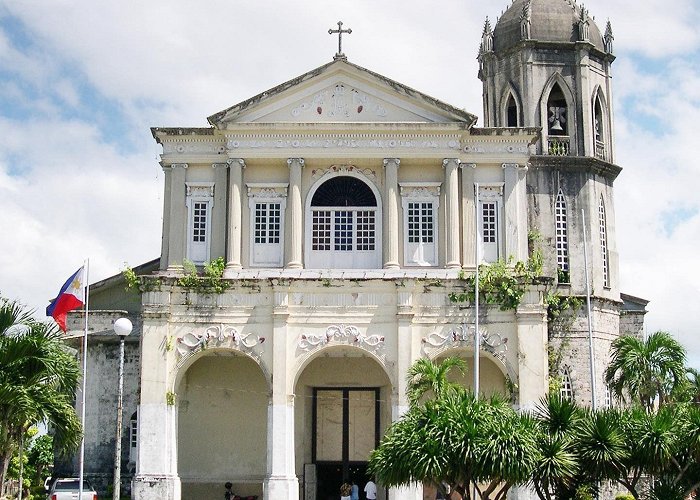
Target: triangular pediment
[{"x": 341, "y": 92}]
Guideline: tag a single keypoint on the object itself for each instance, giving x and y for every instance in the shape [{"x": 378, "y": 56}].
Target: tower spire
[{"x": 608, "y": 38}]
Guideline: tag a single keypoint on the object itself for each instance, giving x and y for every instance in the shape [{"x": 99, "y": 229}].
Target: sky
[{"x": 82, "y": 81}]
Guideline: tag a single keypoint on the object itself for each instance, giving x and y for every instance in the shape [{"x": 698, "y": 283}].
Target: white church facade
[{"x": 348, "y": 209}]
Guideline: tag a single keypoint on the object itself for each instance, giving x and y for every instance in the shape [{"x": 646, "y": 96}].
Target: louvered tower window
[
  {"x": 562, "y": 238},
  {"x": 604, "y": 242},
  {"x": 567, "y": 388}
]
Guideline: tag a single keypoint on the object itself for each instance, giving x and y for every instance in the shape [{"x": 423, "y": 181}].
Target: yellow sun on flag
[{"x": 76, "y": 285}]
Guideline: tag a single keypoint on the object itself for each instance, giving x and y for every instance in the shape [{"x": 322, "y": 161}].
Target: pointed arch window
[
  {"x": 567, "y": 389},
  {"x": 512, "y": 112},
  {"x": 562, "y": 238},
  {"x": 558, "y": 123},
  {"x": 599, "y": 128},
  {"x": 602, "y": 223}
]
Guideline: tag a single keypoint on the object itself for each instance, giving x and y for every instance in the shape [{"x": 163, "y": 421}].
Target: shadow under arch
[{"x": 340, "y": 350}]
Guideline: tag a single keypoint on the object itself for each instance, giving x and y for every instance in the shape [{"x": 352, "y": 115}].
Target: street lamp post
[{"x": 122, "y": 327}]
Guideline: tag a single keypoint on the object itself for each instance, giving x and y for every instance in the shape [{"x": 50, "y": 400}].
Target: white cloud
[{"x": 171, "y": 63}]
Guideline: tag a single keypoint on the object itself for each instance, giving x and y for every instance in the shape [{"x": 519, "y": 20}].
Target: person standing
[
  {"x": 345, "y": 490},
  {"x": 370, "y": 490},
  {"x": 354, "y": 490}
]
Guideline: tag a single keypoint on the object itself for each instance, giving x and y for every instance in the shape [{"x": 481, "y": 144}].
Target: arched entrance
[
  {"x": 491, "y": 377},
  {"x": 222, "y": 425},
  {"x": 342, "y": 409}
]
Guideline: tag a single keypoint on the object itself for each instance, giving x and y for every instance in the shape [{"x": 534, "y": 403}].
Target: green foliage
[
  {"x": 138, "y": 283},
  {"x": 38, "y": 381},
  {"x": 624, "y": 496},
  {"x": 648, "y": 371},
  {"x": 37, "y": 460},
  {"x": 209, "y": 281},
  {"x": 427, "y": 377},
  {"x": 170, "y": 398}
]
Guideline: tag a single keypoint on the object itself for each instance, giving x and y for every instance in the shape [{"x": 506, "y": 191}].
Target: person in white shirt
[{"x": 371, "y": 490}]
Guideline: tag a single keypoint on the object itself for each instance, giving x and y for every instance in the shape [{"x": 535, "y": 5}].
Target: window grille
[
  {"x": 199, "y": 222},
  {"x": 489, "y": 211},
  {"x": 562, "y": 230},
  {"x": 343, "y": 230},
  {"x": 321, "y": 230},
  {"x": 133, "y": 428},
  {"x": 365, "y": 230},
  {"x": 604, "y": 242},
  {"x": 567, "y": 389},
  {"x": 267, "y": 222},
  {"x": 420, "y": 222},
  {"x": 608, "y": 397}
]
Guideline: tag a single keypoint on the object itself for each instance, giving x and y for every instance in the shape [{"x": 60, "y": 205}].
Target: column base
[
  {"x": 392, "y": 265},
  {"x": 453, "y": 265},
  {"x": 294, "y": 265},
  {"x": 414, "y": 492},
  {"x": 281, "y": 488},
  {"x": 155, "y": 487}
]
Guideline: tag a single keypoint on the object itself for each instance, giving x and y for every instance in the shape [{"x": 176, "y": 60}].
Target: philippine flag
[{"x": 71, "y": 296}]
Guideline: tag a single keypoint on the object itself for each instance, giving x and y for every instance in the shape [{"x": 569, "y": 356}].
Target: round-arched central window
[
  {"x": 344, "y": 191},
  {"x": 343, "y": 232}
]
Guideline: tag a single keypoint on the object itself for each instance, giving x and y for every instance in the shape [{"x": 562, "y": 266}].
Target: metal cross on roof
[{"x": 340, "y": 32}]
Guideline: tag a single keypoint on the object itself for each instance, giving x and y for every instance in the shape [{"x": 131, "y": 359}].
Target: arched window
[
  {"x": 562, "y": 238},
  {"x": 133, "y": 437},
  {"x": 602, "y": 223},
  {"x": 343, "y": 232},
  {"x": 567, "y": 388},
  {"x": 511, "y": 112},
  {"x": 557, "y": 112},
  {"x": 599, "y": 128}
]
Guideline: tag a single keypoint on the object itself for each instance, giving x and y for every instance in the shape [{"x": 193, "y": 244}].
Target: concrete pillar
[
  {"x": 391, "y": 213},
  {"x": 533, "y": 364},
  {"x": 451, "y": 166},
  {"x": 156, "y": 468},
  {"x": 218, "y": 219},
  {"x": 178, "y": 217},
  {"x": 468, "y": 216},
  {"x": 296, "y": 215},
  {"x": 281, "y": 481},
  {"x": 235, "y": 214},
  {"x": 515, "y": 227}
]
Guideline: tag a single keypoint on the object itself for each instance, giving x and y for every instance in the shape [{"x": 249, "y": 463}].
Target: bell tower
[{"x": 546, "y": 64}]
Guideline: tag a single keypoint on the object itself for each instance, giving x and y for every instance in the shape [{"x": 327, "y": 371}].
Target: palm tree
[
  {"x": 646, "y": 371},
  {"x": 425, "y": 376},
  {"x": 38, "y": 381}
]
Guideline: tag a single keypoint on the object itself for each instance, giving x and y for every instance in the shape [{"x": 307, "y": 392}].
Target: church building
[{"x": 348, "y": 209}]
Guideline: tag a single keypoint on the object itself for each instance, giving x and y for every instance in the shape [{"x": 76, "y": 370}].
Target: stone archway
[
  {"x": 342, "y": 408},
  {"x": 491, "y": 378},
  {"x": 222, "y": 425}
]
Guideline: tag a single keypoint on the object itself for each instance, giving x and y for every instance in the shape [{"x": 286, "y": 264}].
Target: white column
[
  {"x": 468, "y": 216},
  {"x": 218, "y": 219},
  {"x": 165, "y": 243},
  {"x": 391, "y": 213},
  {"x": 281, "y": 481},
  {"x": 235, "y": 213},
  {"x": 178, "y": 217},
  {"x": 156, "y": 468},
  {"x": 515, "y": 211},
  {"x": 533, "y": 363},
  {"x": 296, "y": 215},
  {"x": 451, "y": 166}
]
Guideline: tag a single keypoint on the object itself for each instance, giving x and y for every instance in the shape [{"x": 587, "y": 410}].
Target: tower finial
[
  {"x": 486, "y": 38},
  {"x": 583, "y": 24},
  {"x": 608, "y": 38},
  {"x": 526, "y": 21}
]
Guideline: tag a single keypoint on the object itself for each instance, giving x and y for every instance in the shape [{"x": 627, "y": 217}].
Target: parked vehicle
[{"x": 69, "y": 489}]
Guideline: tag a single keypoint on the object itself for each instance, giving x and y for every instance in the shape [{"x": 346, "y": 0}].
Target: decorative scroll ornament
[
  {"x": 340, "y": 102},
  {"x": 341, "y": 169},
  {"x": 343, "y": 334},
  {"x": 463, "y": 336},
  {"x": 219, "y": 336}
]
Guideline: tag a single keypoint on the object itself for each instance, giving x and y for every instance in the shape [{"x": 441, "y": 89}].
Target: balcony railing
[
  {"x": 558, "y": 146},
  {"x": 600, "y": 150}
]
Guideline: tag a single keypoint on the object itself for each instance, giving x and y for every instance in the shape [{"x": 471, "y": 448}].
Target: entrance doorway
[{"x": 345, "y": 430}]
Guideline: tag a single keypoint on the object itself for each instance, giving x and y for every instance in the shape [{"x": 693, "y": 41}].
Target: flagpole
[
  {"x": 477, "y": 335},
  {"x": 82, "y": 410}
]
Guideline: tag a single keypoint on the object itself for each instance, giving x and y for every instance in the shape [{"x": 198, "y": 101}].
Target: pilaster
[
  {"x": 165, "y": 243},
  {"x": 391, "y": 213},
  {"x": 451, "y": 166},
  {"x": 468, "y": 216},
  {"x": 218, "y": 219},
  {"x": 515, "y": 211},
  {"x": 235, "y": 213},
  {"x": 178, "y": 217},
  {"x": 533, "y": 367},
  {"x": 296, "y": 229}
]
